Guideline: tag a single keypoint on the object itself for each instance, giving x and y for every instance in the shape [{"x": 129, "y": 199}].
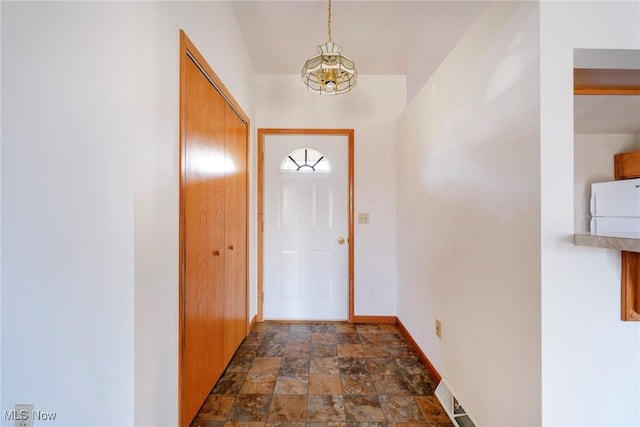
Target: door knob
[{"x": 341, "y": 240}]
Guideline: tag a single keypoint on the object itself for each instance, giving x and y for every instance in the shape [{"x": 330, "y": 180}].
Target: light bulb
[{"x": 330, "y": 87}]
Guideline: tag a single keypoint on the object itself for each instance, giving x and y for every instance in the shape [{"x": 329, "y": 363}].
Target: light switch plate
[{"x": 363, "y": 218}]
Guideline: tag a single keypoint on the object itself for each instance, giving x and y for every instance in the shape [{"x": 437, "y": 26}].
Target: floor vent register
[{"x": 455, "y": 410}]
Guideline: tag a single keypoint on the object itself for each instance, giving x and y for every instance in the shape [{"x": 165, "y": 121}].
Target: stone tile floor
[{"x": 324, "y": 375}]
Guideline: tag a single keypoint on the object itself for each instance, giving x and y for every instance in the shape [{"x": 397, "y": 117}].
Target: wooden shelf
[{"x": 588, "y": 81}]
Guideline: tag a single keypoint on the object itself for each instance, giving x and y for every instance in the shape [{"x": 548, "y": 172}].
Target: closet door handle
[
  {"x": 230, "y": 247},
  {"x": 215, "y": 253}
]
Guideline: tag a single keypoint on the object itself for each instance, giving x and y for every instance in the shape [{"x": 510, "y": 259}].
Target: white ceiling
[
  {"x": 403, "y": 37},
  {"x": 382, "y": 37}
]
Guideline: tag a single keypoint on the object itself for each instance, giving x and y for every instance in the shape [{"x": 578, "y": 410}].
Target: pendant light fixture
[{"x": 329, "y": 72}]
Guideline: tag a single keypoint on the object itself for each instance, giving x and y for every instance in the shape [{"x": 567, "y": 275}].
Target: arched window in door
[{"x": 305, "y": 160}]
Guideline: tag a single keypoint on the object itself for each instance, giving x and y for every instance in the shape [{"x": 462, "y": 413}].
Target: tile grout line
[{"x": 399, "y": 374}]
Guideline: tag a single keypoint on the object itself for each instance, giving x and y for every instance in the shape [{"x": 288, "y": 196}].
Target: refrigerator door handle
[{"x": 592, "y": 207}]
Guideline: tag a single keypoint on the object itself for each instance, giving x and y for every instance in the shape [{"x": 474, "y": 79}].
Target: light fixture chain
[{"x": 329, "y": 21}]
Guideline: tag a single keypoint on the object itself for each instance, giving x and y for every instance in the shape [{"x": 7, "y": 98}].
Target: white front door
[{"x": 306, "y": 227}]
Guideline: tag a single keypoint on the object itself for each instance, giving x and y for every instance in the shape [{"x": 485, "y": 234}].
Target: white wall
[
  {"x": 68, "y": 218},
  {"x": 1, "y": 401},
  {"x": 371, "y": 109},
  {"x": 90, "y": 201},
  {"x": 468, "y": 217},
  {"x": 590, "y": 359},
  {"x": 593, "y": 162},
  {"x": 213, "y": 28}
]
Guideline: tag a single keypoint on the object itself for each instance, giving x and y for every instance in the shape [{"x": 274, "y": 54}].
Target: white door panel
[
  {"x": 305, "y": 268},
  {"x": 322, "y": 205},
  {"x": 290, "y": 273},
  {"x": 321, "y": 272}
]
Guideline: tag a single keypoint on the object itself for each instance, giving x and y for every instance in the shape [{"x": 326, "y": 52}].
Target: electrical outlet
[
  {"x": 438, "y": 328},
  {"x": 363, "y": 218},
  {"x": 23, "y": 416}
]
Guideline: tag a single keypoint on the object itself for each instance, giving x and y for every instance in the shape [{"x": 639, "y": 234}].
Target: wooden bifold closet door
[
  {"x": 213, "y": 231},
  {"x": 236, "y": 234}
]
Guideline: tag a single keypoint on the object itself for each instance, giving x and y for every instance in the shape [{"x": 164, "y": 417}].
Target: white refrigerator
[{"x": 615, "y": 206}]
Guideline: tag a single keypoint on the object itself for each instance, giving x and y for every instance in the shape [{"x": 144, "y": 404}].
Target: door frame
[{"x": 349, "y": 133}]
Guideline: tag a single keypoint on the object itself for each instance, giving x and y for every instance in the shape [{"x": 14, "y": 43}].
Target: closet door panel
[
  {"x": 202, "y": 360},
  {"x": 235, "y": 232}
]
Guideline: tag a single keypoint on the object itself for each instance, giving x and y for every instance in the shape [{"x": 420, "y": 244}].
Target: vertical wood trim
[
  {"x": 352, "y": 239},
  {"x": 262, "y": 132},
  {"x": 630, "y": 286},
  {"x": 252, "y": 324},
  {"x": 181, "y": 225},
  {"x": 260, "y": 260},
  {"x": 250, "y": 321},
  {"x": 432, "y": 370}
]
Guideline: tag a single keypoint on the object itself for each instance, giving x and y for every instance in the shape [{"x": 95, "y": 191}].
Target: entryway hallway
[{"x": 324, "y": 374}]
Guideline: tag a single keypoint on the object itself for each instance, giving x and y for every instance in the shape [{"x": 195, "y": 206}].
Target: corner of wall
[{"x": 468, "y": 202}]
